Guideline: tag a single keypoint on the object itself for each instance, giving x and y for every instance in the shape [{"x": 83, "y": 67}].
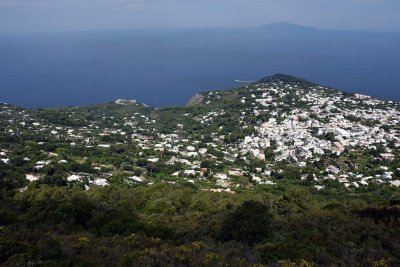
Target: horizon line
[{"x": 260, "y": 27}]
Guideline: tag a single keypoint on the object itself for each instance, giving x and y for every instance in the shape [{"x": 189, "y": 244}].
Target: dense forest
[{"x": 167, "y": 225}]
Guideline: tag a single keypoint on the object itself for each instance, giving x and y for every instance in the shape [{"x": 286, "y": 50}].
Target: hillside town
[{"x": 270, "y": 132}]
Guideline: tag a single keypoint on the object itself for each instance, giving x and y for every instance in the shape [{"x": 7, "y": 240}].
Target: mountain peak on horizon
[
  {"x": 279, "y": 77},
  {"x": 286, "y": 26}
]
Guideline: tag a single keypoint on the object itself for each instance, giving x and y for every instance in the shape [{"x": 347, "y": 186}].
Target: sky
[{"x": 27, "y": 16}]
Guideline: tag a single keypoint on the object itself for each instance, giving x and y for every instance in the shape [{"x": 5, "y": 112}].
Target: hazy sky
[{"x": 17, "y": 16}]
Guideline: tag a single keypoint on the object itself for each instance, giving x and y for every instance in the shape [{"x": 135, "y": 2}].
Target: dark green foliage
[
  {"x": 330, "y": 136},
  {"x": 49, "y": 249},
  {"x": 287, "y": 79},
  {"x": 171, "y": 225},
  {"x": 9, "y": 248},
  {"x": 250, "y": 223},
  {"x": 386, "y": 215},
  {"x": 54, "y": 180}
]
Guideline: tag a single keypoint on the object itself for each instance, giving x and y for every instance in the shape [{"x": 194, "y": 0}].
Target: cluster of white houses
[{"x": 320, "y": 122}]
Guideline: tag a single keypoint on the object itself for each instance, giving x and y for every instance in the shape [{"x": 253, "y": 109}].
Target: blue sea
[{"x": 166, "y": 67}]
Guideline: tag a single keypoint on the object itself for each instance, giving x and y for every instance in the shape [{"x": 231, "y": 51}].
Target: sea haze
[{"x": 166, "y": 67}]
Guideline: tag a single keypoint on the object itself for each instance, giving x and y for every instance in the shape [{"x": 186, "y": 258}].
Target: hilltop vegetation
[{"x": 280, "y": 172}]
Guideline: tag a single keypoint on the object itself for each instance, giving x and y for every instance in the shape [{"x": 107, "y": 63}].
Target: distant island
[{"x": 285, "y": 26}]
